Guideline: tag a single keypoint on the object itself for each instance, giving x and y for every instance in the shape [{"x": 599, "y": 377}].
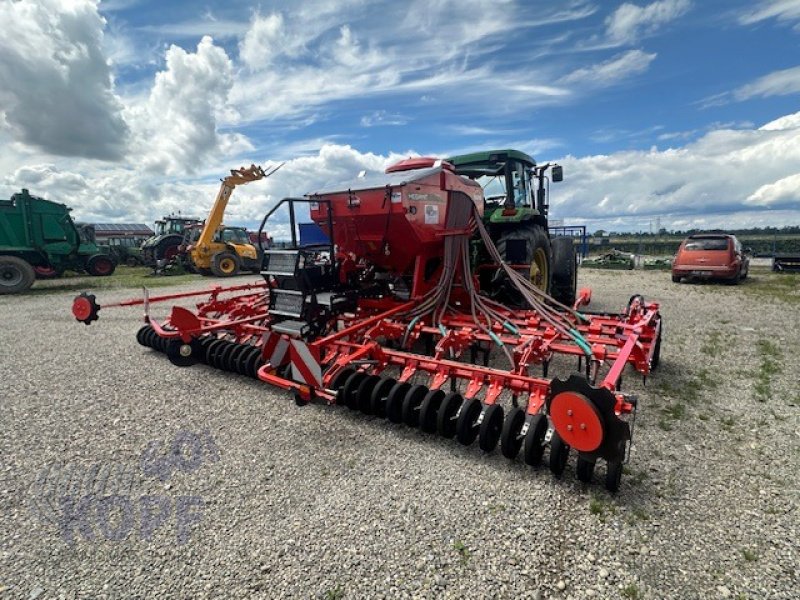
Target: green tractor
[
  {"x": 516, "y": 214},
  {"x": 38, "y": 238},
  {"x": 159, "y": 250}
]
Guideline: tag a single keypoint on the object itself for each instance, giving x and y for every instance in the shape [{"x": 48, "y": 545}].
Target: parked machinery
[
  {"x": 389, "y": 318},
  {"x": 38, "y": 238}
]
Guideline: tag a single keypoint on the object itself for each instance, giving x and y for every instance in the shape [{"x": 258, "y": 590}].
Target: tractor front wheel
[
  {"x": 225, "y": 264},
  {"x": 16, "y": 275}
]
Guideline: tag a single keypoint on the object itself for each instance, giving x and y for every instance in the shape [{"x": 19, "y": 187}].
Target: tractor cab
[{"x": 513, "y": 184}]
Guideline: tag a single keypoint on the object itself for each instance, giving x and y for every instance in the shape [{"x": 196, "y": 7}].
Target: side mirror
[{"x": 557, "y": 173}]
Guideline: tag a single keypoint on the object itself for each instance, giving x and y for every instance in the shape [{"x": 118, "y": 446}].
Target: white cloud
[
  {"x": 56, "y": 89},
  {"x": 723, "y": 172},
  {"x": 617, "y": 68},
  {"x": 630, "y": 22},
  {"x": 176, "y": 128},
  {"x": 782, "y": 10},
  {"x": 777, "y": 83},
  {"x": 382, "y": 118}
]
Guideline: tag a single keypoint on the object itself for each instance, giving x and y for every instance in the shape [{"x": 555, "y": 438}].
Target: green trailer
[{"x": 39, "y": 238}]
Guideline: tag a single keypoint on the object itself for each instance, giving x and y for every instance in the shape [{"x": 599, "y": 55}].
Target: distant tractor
[
  {"x": 39, "y": 238},
  {"x": 516, "y": 210},
  {"x": 163, "y": 246}
]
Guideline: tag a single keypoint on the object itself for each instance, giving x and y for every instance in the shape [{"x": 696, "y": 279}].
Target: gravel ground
[{"x": 320, "y": 502}]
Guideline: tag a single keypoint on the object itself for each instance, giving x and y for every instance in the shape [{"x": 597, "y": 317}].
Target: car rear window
[{"x": 707, "y": 244}]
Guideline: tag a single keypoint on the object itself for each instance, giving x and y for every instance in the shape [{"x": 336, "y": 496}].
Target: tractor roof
[{"x": 488, "y": 158}]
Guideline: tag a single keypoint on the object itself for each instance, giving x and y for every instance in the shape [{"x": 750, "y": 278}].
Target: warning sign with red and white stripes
[
  {"x": 275, "y": 348},
  {"x": 305, "y": 364}
]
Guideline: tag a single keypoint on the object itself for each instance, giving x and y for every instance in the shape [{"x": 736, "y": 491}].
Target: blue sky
[{"x": 680, "y": 109}]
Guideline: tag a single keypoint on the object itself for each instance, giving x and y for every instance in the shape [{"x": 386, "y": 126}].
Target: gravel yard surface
[{"x": 272, "y": 500}]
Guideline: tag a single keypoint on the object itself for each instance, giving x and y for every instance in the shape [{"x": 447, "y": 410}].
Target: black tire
[
  {"x": 534, "y": 440},
  {"x": 676, "y": 279},
  {"x": 656, "y": 353},
  {"x": 364, "y": 394},
  {"x": 466, "y": 431},
  {"x": 491, "y": 427},
  {"x": 140, "y": 335},
  {"x": 429, "y": 410},
  {"x": 350, "y": 388},
  {"x": 446, "y": 417},
  {"x": 100, "y": 265},
  {"x": 394, "y": 402},
  {"x": 510, "y": 440},
  {"x": 559, "y": 454},
  {"x": 584, "y": 469},
  {"x": 233, "y": 358},
  {"x": 244, "y": 357},
  {"x": 536, "y": 242},
  {"x": 614, "y": 470},
  {"x": 211, "y": 351},
  {"x": 379, "y": 395},
  {"x": 176, "y": 357},
  {"x": 411, "y": 404},
  {"x": 16, "y": 275},
  {"x": 225, "y": 264},
  {"x": 564, "y": 286}
]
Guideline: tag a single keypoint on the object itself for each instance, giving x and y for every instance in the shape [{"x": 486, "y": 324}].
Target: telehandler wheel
[
  {"x": 564, "y": 287},
  {"x": 559, "y": 454},
  {"x": 16, "y": 275},
  {"x": 528, "y": 244},
  {"x": 429, "y": 409},
  {"x": 466, "y": 430},
  {"x": 510, "y": 440},
  {"x": 225, "y": 264},
  {"x": 446, "y": 420},
  {"x": 411, "y": 404},
  {"x": 394, "y": 402},
  {"x": 379, "y": 395},
  {"x": 534, "y": 440},
  {"x": 100, "y": 265}
]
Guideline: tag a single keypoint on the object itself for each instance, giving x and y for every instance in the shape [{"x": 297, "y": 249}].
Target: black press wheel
[
  {"x": 338, "y": 383},
  {"x": 364, "y": 394},
  {"x": 379, "y": 395},
  {"x": 222, "y": 357},
  {"x": 510, "y": 438},
  {"x": 211, "y": 350},
  {"x": 584, "y": 468},
  {"x": 429, "y": 410},
  {"x": 466, "y": 429},
  {"x": 614, "y": 471},
  {"x": 140, "y": 335},
  {"x": 446, "y": 419},
  {"x": 179, "y": 353},
  {"x": 233, "y": 358},
  {"x": 412, "y": 402},
  {"x": 559, "y": 454},
  {"x": 534, "y": 440},
  {"x": 241, "y": 361},
  {"x": 491, "y": 427},
  {"x": 350, "y": 388},
  {"x": 394, "y": 402}
]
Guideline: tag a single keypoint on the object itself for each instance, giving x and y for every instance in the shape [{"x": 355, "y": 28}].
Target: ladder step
[
  {"x": 287, "y": 303},
  {"x": 280, "y": 262},
  {"x": 291, "y": 328}
]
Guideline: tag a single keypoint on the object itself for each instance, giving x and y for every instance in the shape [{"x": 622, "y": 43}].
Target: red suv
[{"x": 711, "y": 256}]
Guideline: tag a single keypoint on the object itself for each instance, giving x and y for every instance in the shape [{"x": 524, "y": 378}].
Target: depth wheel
[
  {"x": 510, "y": 438},
  {"x": 446, "y": 418},
  {"x": 394, "y": 402},
  {"x": 534, "y": 440},
  {"x": 584, "y": 468},
  {"x": 254, "y": 363},
  {"x": 379, "y": 395},
  {"x": 491, "y": 427},
  {"x": 559, "y": 454},
  {"x": 466, "y": 430},
  {"x": 429, "y": 410},
  {"x": 364, "y": 394},
  {"x": 411, "y": 404},
  {"x": 350, "y": 388}
]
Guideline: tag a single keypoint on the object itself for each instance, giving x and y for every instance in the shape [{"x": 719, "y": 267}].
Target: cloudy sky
[{"x": 686, "y": 110}]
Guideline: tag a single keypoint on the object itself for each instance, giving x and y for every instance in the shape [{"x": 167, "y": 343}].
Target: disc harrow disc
[
  {"x": 429, "y": 410},
  {"x": 491, "y": 427},
  {"x": 446, "y": 418},
  {"x": 511, "y": 437},
  {"x": 411, "y": 404},
  {"x": 379, "y": 395},
  {"x": 394, "y": 402},
  {"x": 364, "y": 394},
  {"x": 466, "y": 429}
]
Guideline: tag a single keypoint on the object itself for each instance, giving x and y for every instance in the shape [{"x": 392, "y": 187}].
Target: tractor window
[
  {"x": 161, "y": 228},
  {"x": 494, "y": 188},
  {"x": 521, "y": 183}
]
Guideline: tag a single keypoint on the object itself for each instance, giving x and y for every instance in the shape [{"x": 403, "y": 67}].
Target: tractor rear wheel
[
  {"x": 526, "y": 244},
  {"x": 225, "y": 264},
  {"x": 16, "y": 275},
  {"x": 100, "y": 265},
  {"x": 564, "y": 287}
]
